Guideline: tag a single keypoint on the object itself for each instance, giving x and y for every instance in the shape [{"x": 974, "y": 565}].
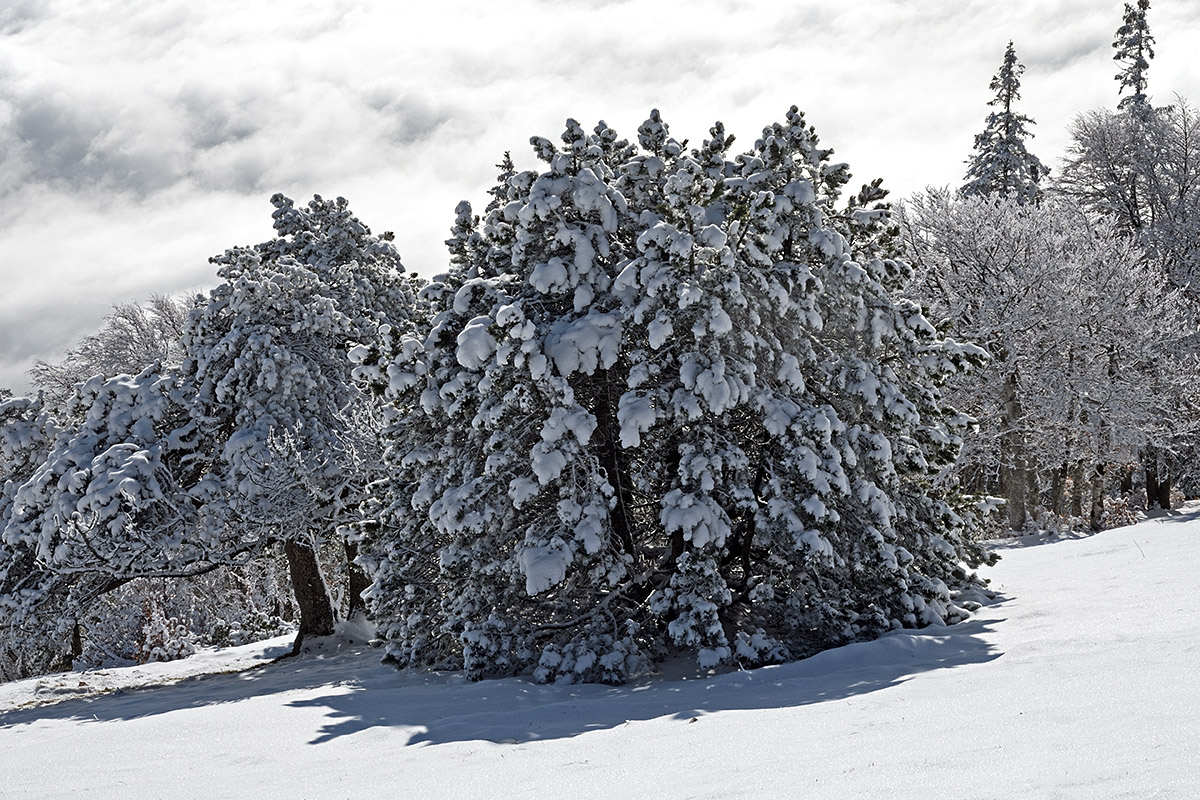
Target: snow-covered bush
[
  {"x": 163, "y": 638},
  {"x": 226, "y": 607},
  {"x": 666, "y": 399},
  {"x": 1118, "y": 512}
]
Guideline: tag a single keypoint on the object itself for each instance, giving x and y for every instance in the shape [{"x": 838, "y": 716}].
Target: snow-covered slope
[{"x": 1080, "y": 681}]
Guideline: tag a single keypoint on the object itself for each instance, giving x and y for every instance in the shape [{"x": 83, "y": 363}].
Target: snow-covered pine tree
[
  {"x": 27, "y": 432},
  {"x": 1135, "y": 48},
  {"x": 110, "y": 500},
  {"x": 257, "y": 438},
  {"x": 1002, "y": 164},
  {"x": 499, "y": 192},
  {"x": 1110, "y": 163},
  {"x": 267, "y": 376},
  {"x": 666, "y": 400},
  {"x": 131, "y": 338}
]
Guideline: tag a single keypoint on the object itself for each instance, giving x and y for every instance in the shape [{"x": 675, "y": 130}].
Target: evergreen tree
[
  {"x": 666, "y": 401},
  {"x": 500, "y": 191},
  {"x": 267, "y": 376},
  {"x": 1135, "y": 48},
  {"x": 107, "y": 502},
  {"x": 257, "y": 439},
  {"x": 27, "y": 432},
  {"x": 1002, "y": 165}
]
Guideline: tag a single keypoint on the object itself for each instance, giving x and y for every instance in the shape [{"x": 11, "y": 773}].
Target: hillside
[{"x": 1078, "y": 681}]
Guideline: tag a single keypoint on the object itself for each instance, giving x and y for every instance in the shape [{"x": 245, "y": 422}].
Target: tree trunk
[
  {"x": 1164, "y": 492},
  {"x": 1013, "y": 457},
  {"x": 358, "y": 581},
  {"x": 1097, "y": 515},
  {"x": 1033, "y": 489},
  {"x": 1150, "y": 462},
  {"x": 1077, "y": 490},
  {"x": 612, "y": 459},
  {"x": 1058, "y": 490},
  {"x": 1126, "y": 480},
  {"x": 316, "y": 610}
]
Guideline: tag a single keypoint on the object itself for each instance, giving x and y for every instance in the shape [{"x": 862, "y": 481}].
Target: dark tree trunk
[
  {"x": 76, "y": 644},
  {"x": 741, "y": 542},
  {"x": 983, "y": 482},
  {"x": 1097, "y": 515},
  {"x": 358, "y": 581},
  {"x": 1164, "y": 492},
  {"x": 612, "y": 458},
  {"x": 1126, "y": 480},
  {"x": 316, "y": 610},
  {"x": 1012, "y": 473},
  {"x": 1150, "y": 461}
]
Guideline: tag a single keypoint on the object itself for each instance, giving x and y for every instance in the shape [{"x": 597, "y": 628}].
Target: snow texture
[{"x": 1077, "y": 681}]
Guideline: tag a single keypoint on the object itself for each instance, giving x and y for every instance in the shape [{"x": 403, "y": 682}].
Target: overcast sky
[{"x": 140, "y": 137}]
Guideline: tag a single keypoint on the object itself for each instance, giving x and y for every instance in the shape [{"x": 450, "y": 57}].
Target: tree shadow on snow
[
  {"x": 514, "y": 712},
  {"x": 1025, "y": 540},
  {"x": 361, "y": 694},
  {"x": 1186, "y": 514}
]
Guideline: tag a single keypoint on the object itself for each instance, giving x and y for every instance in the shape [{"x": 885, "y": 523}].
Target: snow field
[{"x": 1078, "y": 682}]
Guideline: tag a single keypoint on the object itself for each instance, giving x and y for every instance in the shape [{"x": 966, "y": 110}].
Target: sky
[{"x": 138, "y": 138}]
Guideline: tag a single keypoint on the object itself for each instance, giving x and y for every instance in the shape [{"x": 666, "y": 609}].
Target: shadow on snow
[
  {"x": 360, "y": 694},
  {"x": 1185, "y": 514}
]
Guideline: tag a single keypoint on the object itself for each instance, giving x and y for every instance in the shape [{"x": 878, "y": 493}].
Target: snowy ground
[{"x": 1080, "y": 682}]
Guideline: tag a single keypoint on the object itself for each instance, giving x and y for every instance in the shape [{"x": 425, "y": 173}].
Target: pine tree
[
  {"x": 1112, "y": 160},
  {"x": 257, "y": 439},
  {"x": 27, "y": 433},
  {"x": 1135, "y": 48},
  {"x": 107, "y": 502},
  {"x": 266, "y": 374},
  {"x": 1002, "y": 165},
  {"x": 499, "y": 192},
  {"x": 671, "y": 404}
]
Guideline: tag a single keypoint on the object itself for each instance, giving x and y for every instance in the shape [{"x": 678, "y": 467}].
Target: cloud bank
[{"x": 139, "y": 138}]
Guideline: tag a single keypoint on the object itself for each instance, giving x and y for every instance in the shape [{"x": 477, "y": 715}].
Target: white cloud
[{"x": 139, "y": 138}]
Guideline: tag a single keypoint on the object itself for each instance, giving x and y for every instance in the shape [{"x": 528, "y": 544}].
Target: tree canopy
[
  {"x": 1002, "y": 164},
  {"x": 666, "y": 400}
]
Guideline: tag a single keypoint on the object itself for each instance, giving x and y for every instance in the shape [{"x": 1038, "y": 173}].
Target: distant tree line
[{"x": 1084, "y": 289}]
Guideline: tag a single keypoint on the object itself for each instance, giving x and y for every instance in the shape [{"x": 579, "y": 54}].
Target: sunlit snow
[{"x": 1076, "y": 681}]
